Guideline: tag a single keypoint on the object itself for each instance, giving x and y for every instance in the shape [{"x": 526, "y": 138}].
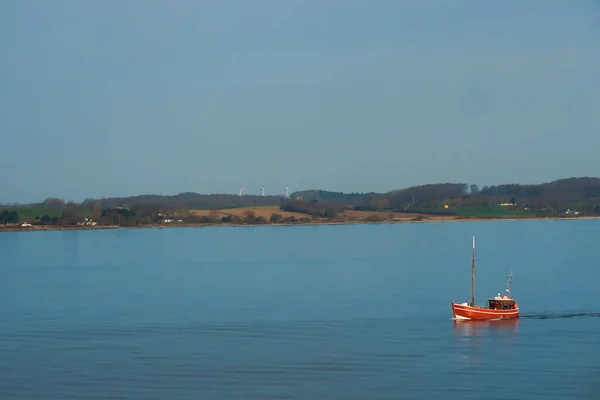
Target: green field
[
  {"x": 478, "y": 212},
  {"x": 492, "y": 212},
  {"x": 432, "y": 211}
]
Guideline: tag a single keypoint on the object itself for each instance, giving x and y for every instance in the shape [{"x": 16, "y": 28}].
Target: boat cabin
[{"x": 501, "y": 303}]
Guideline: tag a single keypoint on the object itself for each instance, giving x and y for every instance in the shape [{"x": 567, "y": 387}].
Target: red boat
[{"x": 499, "y": 307}]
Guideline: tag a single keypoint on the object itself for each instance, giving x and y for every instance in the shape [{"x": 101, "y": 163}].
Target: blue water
[{"x": 326, "y": 312}]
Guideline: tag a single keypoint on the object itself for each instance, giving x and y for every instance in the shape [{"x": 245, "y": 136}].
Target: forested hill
[
  {"x": 192, "y": 201},
  {"x": 582, "y": 193}
]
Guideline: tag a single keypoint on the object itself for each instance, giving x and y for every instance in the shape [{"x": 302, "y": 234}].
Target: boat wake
[{"x": 563, "y": 315}]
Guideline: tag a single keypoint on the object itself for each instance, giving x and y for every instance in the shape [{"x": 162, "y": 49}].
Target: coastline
[{"x": 46, "y": 228}]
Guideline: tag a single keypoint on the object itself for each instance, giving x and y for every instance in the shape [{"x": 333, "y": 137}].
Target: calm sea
[{"x": 326, "y": 312}]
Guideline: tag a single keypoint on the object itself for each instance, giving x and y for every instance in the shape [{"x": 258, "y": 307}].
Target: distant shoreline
[{"x": 45, "y": 228}]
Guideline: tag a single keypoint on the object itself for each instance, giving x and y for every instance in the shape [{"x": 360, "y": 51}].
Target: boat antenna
[
  {"x": 508, "y": 281},
  {"x": 473, "y": 275}
]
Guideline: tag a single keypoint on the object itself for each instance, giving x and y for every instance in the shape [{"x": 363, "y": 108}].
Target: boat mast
[
  {"x": 473, "y": 275},
  {"x": 508, "y": 280}
]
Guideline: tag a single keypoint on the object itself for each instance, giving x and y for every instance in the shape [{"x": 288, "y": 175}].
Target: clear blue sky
[{"x": 115, "y": 98}]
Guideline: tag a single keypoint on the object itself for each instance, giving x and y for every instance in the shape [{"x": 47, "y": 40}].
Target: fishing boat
[{"x": 499, "y": 307}]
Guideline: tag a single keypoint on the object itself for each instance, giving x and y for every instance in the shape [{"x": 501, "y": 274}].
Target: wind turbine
[
  {"x": 287, "y": 193},
  {"x": 262, "y": 191}
]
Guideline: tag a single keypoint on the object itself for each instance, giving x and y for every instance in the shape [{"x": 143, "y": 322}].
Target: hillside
[
  {"x": 557, "y": 193},
  {"x": 564, "y": 197},
  {"x": 190, "y": 201},
  {"x": 461, "y": 199}
]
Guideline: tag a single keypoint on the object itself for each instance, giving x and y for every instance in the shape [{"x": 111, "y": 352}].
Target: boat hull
[{"x": 463, "y": 311}]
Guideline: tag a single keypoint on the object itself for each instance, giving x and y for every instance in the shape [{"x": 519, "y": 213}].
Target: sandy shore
[{"x": 42, "y": 228}]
